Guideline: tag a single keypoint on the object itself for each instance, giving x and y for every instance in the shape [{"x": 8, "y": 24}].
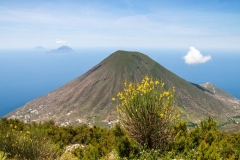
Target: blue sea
[{"x": 27, "y": 74}]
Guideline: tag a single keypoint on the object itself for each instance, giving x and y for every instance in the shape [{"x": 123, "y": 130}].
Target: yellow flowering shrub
[
  {"x": 148, "y": 112},
  {"x": 27, "y": 143}
]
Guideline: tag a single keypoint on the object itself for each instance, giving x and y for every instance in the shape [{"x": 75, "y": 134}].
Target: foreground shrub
[
  {"x": 125, "y": 147},
  {"x": 149, "y": 154},
  {"x": 25, "y": 143},
  {"x": 147, "y": 112},
  {"x": 203, "y": 142}
]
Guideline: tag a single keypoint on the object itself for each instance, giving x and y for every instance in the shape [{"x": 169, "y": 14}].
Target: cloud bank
[
  {"x": 195, "y": 57},
  {"x": 60, "y": 41}
]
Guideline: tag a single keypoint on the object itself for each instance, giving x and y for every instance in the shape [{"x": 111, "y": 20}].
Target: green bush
[
  {"x": 203, "y": 142},
  {"x": 125, "y": 147},
  {"x": 25, "y": 142}
]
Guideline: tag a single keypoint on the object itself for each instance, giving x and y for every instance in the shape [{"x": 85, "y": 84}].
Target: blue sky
[{"x": 204, "y": 24}]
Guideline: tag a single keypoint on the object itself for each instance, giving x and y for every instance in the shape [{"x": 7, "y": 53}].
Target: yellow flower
[
  {"x": 161, "y": 96},
  {"x": 163, "y": 84},
  {"x": 146, "y": 78},
  {"x": 166, "y": 93},
  {"x": 161, "y": 115},
  {"x": 27, "y": 132},
  {"x": 151, "y": 82},
  {"x": 139, "y": 87},
  {"x": 130, "y": 85},
  {"x": 15, "y": 126},
  {"x": 124, "y": 102},
  {"x": 120, "y": 95},
  {"x": 7, "y": 135},
  {"x": 113, "y": 99},
  {"x": 146, "y": 84}
]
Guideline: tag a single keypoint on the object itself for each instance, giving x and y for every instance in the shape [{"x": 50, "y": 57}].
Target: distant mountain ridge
[
  {"x": 87, "y": 99},
  {"x": 62, "y": 49}
]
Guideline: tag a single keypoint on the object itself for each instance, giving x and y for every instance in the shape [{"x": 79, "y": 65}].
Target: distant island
[
  {"x": 39, "y": 49},
  {"x": 62, "y": 49}
]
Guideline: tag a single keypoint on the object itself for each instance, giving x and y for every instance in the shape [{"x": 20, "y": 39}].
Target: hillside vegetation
[{"x": 49, "y": 141}]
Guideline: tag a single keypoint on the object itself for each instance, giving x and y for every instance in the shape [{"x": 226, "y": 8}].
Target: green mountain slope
[{"x": 88, "y": 97}]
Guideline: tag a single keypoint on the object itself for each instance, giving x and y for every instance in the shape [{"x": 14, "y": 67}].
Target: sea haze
[{"x": 26, "y": 75}]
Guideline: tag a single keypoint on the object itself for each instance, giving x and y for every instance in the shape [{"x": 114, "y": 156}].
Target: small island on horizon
[
  {"x": 39, "y": 48},
  {"x": 62, "y": 49}
]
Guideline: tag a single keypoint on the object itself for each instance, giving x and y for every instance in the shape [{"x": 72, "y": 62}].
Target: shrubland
[
  {"x": 49, "y": 141},
  {"x": 149, "y": 128}
]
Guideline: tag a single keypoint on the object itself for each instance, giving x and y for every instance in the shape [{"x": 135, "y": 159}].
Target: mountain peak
[
  {"x": 207, "y": 84},
  {"x": 88, "y": 98}
]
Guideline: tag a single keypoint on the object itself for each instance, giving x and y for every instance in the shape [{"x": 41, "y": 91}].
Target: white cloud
[
  {"x": 195, "y": 57},
  {"x": 60, "y": 41}
]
